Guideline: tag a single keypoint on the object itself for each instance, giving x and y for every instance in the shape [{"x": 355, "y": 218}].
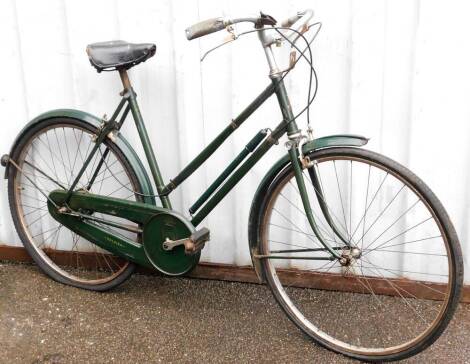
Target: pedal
[
  {"x": 197, "y": 241},
  {"x": 192, "y": 245}
]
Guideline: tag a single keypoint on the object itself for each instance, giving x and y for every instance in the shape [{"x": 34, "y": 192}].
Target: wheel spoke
[
  {"x": 46, "y": 164},
  {"x": 326, "y": 203},
  {"x": 390, "y": 287}
]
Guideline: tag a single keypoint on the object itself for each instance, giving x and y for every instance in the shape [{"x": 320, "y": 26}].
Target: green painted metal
[
  {"x": 157, "y": 223},
  {"x": 337, "y": 140},
  {"x": 199, "y": 159},
  {"x": 117, "y": 244},
  {"x": 148, "y": 197},
  {"x": 249, "y": 148},
  {"x": 239, "y": 173},
  {"x": 294, "y": 159},
  {"x": 323, "y": 206},
  {"x": 148, "y": 149},
  {"x": 117, "y": 126},
  {"x": 218, "y": 141},
  {"x": 288, "y": 124},
  {"x": 97, "y": 169},
  {"x": 161, "y": 223},
  {"x": 340, "y": 140},
  {"x": 254, "y": 105},
  {"x": 285, "y": 105},
  {"x": 107, "y": 127},
  {"x": 94, "y": 121},
  {"x": 160, "y": 227}
]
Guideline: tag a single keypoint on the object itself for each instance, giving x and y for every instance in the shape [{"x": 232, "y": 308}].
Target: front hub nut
[{"x": 356, "y": 253}]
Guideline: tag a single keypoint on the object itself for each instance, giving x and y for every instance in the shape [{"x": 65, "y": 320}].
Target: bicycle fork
[
  {"x": 298, "y": 173},
  {"x": 294, "y": 134}
]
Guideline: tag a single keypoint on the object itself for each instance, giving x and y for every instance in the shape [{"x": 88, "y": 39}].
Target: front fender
[
  {"x": 340, "y": 140},
  {"x": 92, "y": 120}
]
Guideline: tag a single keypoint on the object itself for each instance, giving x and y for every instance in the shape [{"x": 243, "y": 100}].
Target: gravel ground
[{"x": 156, "y": 319}]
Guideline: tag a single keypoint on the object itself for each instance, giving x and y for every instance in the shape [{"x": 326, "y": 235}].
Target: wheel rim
[
  {"x": 362, "y": 296},
  {"x": 58, "y": 151}
]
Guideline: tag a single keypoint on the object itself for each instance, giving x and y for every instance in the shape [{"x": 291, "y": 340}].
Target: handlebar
[
  {"x": 286, "y": 23},
  {"x": 206, "y": 27},
  {"x": 213, "y": 25},
  {"x": 297, "y": 22}
]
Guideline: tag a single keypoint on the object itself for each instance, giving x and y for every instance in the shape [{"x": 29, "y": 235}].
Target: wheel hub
[{"x": 349, "y": 254}]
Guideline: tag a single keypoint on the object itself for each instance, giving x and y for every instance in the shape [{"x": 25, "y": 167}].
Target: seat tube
[{"x": 146, "y": 144}]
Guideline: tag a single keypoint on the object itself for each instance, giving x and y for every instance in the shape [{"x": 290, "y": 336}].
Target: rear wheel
[
  {"x": 49, "y": 156},
  {"x": 399, "y": 286}
]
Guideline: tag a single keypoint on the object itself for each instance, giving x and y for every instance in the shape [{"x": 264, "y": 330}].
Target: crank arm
[
  {"x": 192, "y": 245},
  {"x": 170, "y": 244}
]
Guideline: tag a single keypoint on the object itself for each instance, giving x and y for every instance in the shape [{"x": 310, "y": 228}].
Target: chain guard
[{"x": 157, "y": 224}]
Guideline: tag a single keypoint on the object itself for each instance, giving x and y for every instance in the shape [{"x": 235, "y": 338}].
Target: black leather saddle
[{"x": 117, "y": 54}]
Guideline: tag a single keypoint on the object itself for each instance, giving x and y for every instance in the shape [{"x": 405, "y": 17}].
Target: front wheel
[{"x": 397, "y": 292}]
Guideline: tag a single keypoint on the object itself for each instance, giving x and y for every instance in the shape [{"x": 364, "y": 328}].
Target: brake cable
[
  {"x": 309, "y": 60},
  {"x": 285, "y": 73}
]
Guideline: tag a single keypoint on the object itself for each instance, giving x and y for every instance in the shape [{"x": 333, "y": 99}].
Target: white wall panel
[{"x": 395, "y": 71}]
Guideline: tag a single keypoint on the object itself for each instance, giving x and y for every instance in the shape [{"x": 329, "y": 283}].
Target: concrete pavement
[{"x": 166, "y": 320}]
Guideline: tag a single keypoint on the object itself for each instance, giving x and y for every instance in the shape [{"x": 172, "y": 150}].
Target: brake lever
[
  {"x": 293, "y": 52},
  {"x": 230, "y": 38}
]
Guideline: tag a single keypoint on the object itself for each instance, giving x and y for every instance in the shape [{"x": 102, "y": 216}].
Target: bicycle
[{"x": 356, "y": 249}]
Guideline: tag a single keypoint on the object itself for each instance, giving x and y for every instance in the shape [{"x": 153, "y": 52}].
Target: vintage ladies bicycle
[{"x": 357, "y": 250}]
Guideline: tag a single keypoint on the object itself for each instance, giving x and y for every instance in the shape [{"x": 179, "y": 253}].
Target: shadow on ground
[{"x": 155, "y": 319}]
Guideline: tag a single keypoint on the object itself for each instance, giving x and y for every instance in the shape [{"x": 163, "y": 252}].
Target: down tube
[{"x": 239, "y": 173}]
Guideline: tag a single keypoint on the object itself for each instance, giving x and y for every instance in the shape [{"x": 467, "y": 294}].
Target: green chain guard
[{"x": 158, "y": 224}]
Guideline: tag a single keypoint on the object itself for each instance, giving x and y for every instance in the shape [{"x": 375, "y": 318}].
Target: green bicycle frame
[
  {"x": 254, "y": 150},
  {"x": 235, "y": 171}
]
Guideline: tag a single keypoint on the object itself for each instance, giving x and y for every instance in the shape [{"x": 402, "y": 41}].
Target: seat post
[{"x": 125, "y": 79}]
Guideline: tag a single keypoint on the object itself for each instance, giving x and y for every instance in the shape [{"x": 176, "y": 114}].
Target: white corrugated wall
[{"x": 395, "y": 71}]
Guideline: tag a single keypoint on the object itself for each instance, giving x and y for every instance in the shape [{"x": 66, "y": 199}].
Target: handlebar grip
[
  {"x": 205, "y": 27},
  {"x": 289, "y": 21}
]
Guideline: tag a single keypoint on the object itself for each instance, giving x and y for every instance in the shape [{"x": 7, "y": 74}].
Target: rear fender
[{"x": 94, "y": 121}]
